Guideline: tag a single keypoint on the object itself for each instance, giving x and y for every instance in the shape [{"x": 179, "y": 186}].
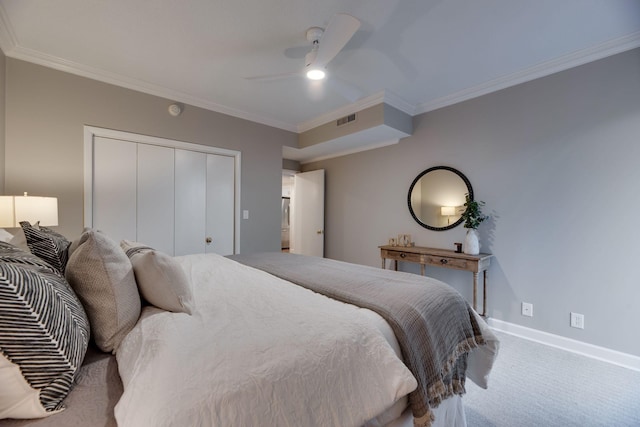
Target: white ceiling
[{"x": 416, "y": 55}]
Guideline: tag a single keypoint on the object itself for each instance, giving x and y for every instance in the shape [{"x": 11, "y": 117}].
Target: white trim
[
  {"x": 564, "y": 62},
  {"x": 397, "y": 102},
  {"x": 11, "y": 48},
  {"x": 91, "y": 132},
  {"x": 350, "y": 151},
  {"x": 7, "y": 35},
  {"x": 585, "y": 349},
  {"x": 238, "y": 173},
  {"x": 56, "y": 63}
]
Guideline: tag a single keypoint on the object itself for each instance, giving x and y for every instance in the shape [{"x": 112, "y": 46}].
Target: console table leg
[
  {"x": 484, "y": 295},
  {"x": 475, "y": 291}
]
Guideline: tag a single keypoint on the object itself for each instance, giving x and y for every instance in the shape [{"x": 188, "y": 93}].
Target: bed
[{"x": 208, "y": 340}]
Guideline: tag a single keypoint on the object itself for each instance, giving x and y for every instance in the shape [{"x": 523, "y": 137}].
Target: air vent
[{"x": 346, "y": 119}]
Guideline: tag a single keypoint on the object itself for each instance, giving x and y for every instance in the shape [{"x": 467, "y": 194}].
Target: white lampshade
[
  {"x": 448, "y": 210},
  {"x": 14, "y": 209}
]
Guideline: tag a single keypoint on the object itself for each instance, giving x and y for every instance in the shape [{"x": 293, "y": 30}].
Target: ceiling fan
[{"x": 325, "y": 45}]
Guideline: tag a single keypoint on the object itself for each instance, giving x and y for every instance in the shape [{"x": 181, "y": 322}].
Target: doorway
[
  {"x": 287, "y": 189},
  {"x": 303, "y": 212}
]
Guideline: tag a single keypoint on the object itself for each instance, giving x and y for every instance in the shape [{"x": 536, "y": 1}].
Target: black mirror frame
[{"x": 450, "y": 169}]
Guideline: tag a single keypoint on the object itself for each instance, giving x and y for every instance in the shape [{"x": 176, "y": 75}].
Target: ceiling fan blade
[
  {"x": 348, "y": 91},
  {"x": 271, "y": 77},
  {"x": 337, "y": 34}
]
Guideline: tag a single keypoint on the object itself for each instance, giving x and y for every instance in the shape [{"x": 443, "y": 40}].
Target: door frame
[{"x": 92, "y": 132}]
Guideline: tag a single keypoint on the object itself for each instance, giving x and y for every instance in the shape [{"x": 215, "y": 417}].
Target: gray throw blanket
[{"x": 432, "y": 322}]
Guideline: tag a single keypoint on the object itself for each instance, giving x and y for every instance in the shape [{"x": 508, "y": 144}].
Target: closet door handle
[{"x": 208, "y": 240}]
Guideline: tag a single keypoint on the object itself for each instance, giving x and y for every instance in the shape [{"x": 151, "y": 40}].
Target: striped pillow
[
  {"x": 10, "y": 253},
  {"x": 47, "y": 244},
  {"x": 44, "y": 333}
]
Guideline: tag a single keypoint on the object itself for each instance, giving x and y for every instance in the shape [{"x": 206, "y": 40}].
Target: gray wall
[
  {"x": 47, "y": 109},
  {"x": 557, "y": 162}
]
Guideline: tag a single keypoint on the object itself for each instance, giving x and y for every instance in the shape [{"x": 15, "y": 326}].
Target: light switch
[{"x": 245, "y": 214}]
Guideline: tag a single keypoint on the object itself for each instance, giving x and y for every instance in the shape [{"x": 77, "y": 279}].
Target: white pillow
[
  {"x": 161, "y": 280},
  {"x": 102, "y": 276}
]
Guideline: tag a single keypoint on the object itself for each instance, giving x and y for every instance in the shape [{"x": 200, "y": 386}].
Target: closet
[{"x": 176, "y": 197}]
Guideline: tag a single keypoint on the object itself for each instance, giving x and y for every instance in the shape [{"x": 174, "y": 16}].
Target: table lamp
[
  {"x": 14, "y": 209},
  {"x": 448, "y": 211}
]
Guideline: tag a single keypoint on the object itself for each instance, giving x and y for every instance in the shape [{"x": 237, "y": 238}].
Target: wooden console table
[{"x": 442, "y": 258}]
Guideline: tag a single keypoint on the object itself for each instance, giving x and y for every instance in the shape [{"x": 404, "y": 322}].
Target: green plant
[{"x": 472, "y": 214}]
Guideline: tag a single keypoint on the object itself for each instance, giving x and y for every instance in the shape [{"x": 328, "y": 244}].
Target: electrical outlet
[
  {"x": 527, "y": 309},
  {"x": 577, "y": 320}
]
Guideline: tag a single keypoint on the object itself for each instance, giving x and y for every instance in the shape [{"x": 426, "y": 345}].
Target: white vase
[{"x": 471, "y": 244}]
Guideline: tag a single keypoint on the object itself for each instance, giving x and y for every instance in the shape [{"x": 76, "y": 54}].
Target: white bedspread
[{"x": 258, "y": 351}]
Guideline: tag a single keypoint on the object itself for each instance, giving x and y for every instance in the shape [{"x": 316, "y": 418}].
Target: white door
[
  {"x": 205, "y": 203},
  {"x": 307, "y": 214},
  {"x": 220, "y": 204},
  {"x": 191, "y": 195},
  {"x": 114, "y": 188},
  {"x": 155, "y": 201}
]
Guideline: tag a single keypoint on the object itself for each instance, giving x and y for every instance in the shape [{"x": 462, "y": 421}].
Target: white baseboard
[{"x": 601, "y": 353}]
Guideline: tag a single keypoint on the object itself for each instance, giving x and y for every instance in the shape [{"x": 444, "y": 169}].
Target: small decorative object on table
[
  {"x": 472, "y": 217},
  {"x": 404, "y": 240}
]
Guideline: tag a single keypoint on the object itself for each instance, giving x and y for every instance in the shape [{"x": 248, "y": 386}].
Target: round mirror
[{"x": 437, "y": 196}]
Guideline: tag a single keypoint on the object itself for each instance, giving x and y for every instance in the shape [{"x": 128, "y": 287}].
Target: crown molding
[
  {"x": 397, "y": 102},
  {"x": 81, "y": 70},
  {"x": 309, "y": 155},
  {"x": 8, "y": 40},
  {"x": 350, "y": 151},
  {"x": 565, "y": 62},
  {"x": 11, "y": 48},
  {"x": 50, "y": 61}
]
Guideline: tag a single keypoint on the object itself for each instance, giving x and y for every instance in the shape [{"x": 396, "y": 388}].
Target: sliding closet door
[
  {"x": 155, "y": 213},
  {"x": 190, "y": 206},
  {"x": 204, "y": 203},
  {"x": 114, "y": 187},
  {"x": 220, "y": 204},
  {"x": 177, "y": 197}
]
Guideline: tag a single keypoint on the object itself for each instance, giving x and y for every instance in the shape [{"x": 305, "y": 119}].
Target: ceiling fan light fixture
[{"x": 316, "y": 74}]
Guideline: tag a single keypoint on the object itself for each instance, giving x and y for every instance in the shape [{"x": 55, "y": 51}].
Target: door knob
[
  {"x": 319, "y": 232},
  {"x": 208, "y": 240}
]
